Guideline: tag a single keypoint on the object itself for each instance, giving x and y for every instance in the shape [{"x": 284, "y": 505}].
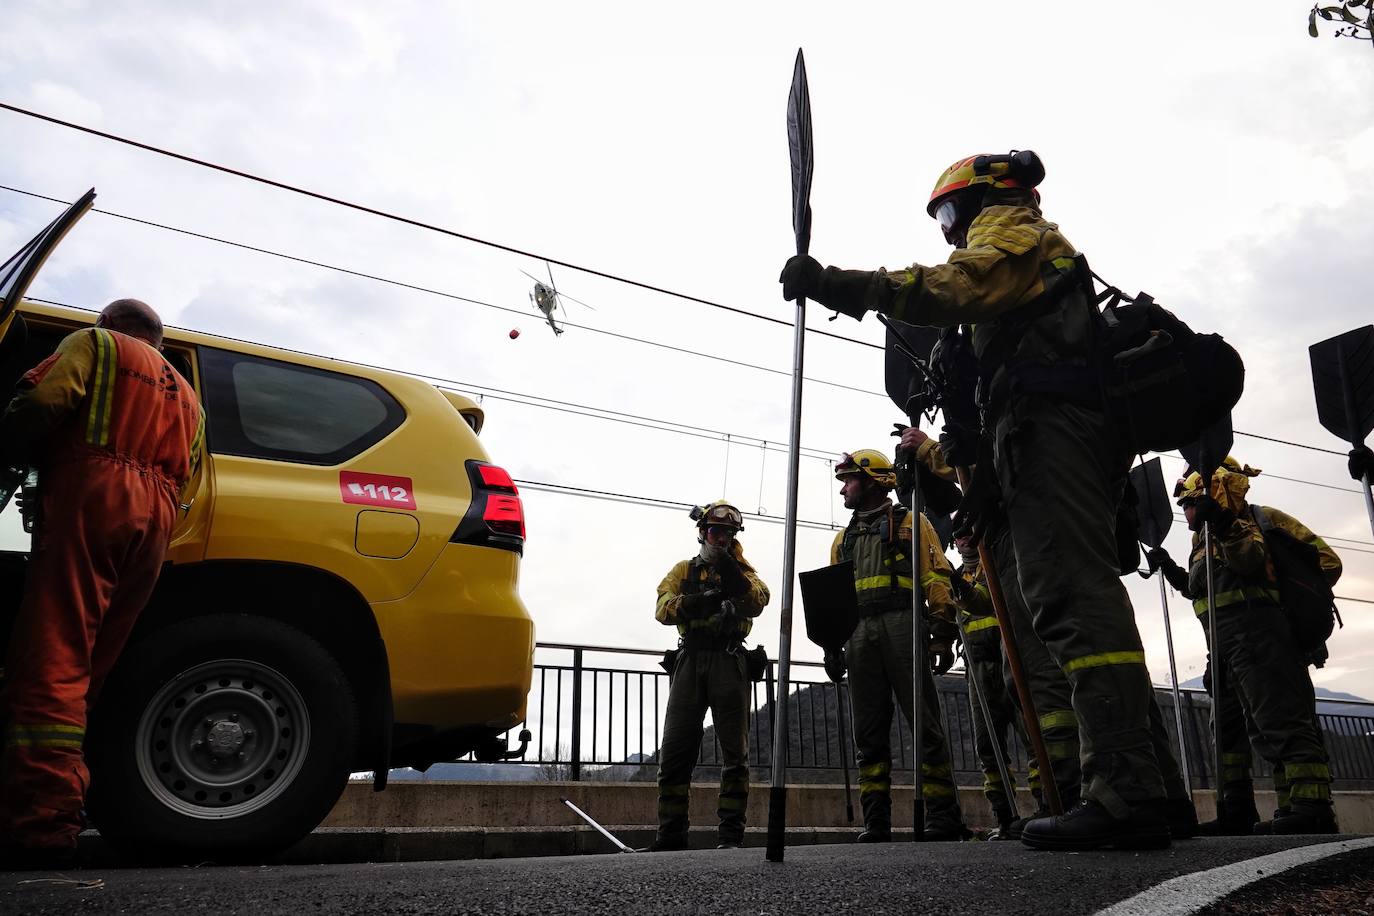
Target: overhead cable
[{"x": 419, "y": 224}]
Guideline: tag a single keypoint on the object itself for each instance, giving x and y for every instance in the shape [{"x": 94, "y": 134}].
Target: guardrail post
[
  {"x": 575, "y": 766},
  {"x": 772, "y": 710}
]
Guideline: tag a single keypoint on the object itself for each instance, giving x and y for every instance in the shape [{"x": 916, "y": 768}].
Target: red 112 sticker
[{"x": 376, "y": 490}]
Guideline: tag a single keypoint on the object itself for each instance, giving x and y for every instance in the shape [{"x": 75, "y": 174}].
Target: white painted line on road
[{"x": 1187, "y": 894}]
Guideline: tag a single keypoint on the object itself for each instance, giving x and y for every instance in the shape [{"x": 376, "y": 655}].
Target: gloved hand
[
  {"x": 834, "y": 664},
  {"x": 1159, "y": 561},
  {"x": 1209, "y": 510},
  {"x": 699, "y": 606},
  {"x": 732, "y": 579},
  {"x": 941, "y": 655},
  {"x": 959, "y": 445},
  {"x": 801, "y": 276},
  {"x": 1207, "y": 676},
  {"x": 981, "y": 507},
  {"x": 1361, "y": 463}
]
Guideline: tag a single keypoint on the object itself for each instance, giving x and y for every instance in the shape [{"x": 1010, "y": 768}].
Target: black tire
[{"x": 227, "y": 737}]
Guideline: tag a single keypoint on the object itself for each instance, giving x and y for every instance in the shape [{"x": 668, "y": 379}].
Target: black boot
[
  {"x": 1234, "y": 818},
  {"x": 1306, "y": 817},
  {"x": 1266, "y": 828},
  {"x": 876, "y": 832},
  {"x": 946, "y": 833},
  {"x": 1182, "y": 818},
  {"x": 1012, "y": 831},
  {"x": 670, "y": 842},
  {"x": 1090, "y": 826}
]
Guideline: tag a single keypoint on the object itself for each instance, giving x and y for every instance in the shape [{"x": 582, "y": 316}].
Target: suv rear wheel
[{"x": 224, "y": 736}]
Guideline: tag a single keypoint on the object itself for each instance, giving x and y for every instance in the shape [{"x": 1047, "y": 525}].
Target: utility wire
[
  {"x": 446, "y": 295},
  {"x": 416, "y": 223}
]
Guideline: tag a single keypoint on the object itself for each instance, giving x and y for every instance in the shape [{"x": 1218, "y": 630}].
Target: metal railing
[{"x": 596, "y": 712}]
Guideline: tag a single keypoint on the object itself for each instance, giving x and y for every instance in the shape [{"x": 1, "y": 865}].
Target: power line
[
  {"x": 417, "y": 223},
  {"x": 1310, "y": 448},
  {"x": 446, "y": 295},
  {"x": 656, "y": 503},
  {"x": 1179, "y": 517}
]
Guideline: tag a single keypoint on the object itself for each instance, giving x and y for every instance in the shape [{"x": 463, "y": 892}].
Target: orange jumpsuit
[{"x": 116, "y": 434}]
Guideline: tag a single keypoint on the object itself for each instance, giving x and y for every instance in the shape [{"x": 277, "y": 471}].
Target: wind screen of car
[{"x": 265, "y": 408}]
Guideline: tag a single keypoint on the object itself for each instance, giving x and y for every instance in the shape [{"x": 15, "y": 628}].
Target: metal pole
[
  {"x": 575, "y": 765},
  {"x": 919, "y": 667},
  {"x": 844, "y": 752},
  {"x": 1216, "y": 663},
  {"x": 777, "y": 795},
  {"x": 1009, "y": 787},
  {"x": 1048, "y": 785},
  {"x": 1173, "y": 681}
]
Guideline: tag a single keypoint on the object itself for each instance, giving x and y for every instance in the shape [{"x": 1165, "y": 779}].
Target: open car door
[{"x": 18, "y": 271}]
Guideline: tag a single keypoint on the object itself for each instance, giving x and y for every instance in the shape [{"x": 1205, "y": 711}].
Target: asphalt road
[{"x": 954, "y": 878}]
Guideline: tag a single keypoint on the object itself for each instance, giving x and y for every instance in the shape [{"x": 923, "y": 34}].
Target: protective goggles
[
  {"x": 721, "y": 516},
  {"x": 947, "y": 214}
]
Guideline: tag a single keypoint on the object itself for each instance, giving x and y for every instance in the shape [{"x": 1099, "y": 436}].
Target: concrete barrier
[{"x": 537, "y": 804}]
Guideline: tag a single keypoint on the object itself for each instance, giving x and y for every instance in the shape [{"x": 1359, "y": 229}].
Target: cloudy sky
[{"x": 1217, "y": 161}]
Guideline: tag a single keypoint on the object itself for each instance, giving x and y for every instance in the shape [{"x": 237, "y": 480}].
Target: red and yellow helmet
[{"x": 1017, "y": 169}]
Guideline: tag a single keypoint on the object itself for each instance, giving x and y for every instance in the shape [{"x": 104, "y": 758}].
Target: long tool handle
[
  {"x": 995, "y": 734},
  {"x": 1173, "y": 682},
  {"x": 1217, "y": 666},
  {"x": 919, "y": 666},
  {"x": 777, "y": 793},
  {"x": 844, "y": 752},
  {"x": 1048, "y": 785},
  {"x": 588, "y": 818}
]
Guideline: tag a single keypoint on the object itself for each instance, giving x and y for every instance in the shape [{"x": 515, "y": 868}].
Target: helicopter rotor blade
[
  {"x": 578, "y": 301},
  {"x": 531, "y": 276}
]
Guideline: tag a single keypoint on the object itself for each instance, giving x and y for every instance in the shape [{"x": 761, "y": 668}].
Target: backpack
[
  {"x": 1307, "y": 599},
  {"x": 1160, "y": 383}
]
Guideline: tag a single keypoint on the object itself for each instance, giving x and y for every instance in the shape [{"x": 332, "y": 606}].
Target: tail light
[{"x": 496, "y": 517}]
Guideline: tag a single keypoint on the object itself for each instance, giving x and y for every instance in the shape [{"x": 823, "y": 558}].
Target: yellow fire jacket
[{"x": 693, "y": 577}]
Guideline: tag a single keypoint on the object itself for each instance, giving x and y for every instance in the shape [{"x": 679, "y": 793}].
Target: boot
[
  {"x": 1004, "y": 821},
  {"x": 1266, "y": 828},
  {"x": 669, "y": 842},
  {"x": 946, "y": 833},
  {"x": 1090, "y": 826},
  {"x": 1235, "y": 818},
  {"x": 1182, "y": 818},
  {"x": 876, "y": 832},
  {"x": 1306, "y": 817},
  {"x": 1012, "y": 831}
]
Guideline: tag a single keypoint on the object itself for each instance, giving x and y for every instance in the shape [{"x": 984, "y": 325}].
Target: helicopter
[{"x": 545, "y": 297}]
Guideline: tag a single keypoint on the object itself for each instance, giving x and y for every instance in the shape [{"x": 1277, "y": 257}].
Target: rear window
[{"x": 264, "y": 408}]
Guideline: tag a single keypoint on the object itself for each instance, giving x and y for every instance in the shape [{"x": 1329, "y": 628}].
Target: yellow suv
[{"x": 340, "y": 595}]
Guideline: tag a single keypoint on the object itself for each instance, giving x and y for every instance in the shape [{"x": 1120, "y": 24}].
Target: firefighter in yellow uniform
[
  {"x": 1258, "y": 659},
  {"x": 1016, "y": 285},
  {"x": 878, "y": 540},
  {"x": 712, "y": 600}
]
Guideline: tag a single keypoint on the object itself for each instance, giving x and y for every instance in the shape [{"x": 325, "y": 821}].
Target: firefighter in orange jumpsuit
[{"x": 115, "y": 433}]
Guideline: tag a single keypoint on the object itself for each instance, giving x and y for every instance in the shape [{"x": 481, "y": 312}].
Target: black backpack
[
  {"x": 1160, "y": 382},
  {"x": 1307, "y": 599}
]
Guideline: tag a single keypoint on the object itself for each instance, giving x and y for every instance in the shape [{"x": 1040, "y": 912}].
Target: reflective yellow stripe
[
  {"x": 1062, "y": 750},
  {"x": 102, "y": 389},
  {"x": 1063, "y": 263},
  {"x": 1296, "y": 771},
  {"x": 1104, "y": 659},
  {"x": 1236, "y": 596},
  {"x": 1242, "y": 760},
  {"x": 1311, "y": 791},
  {"x": 1059, "y": 718},
  {"x": 936, "y": 769},
  {"x": 53, "y": 735},
  {"x": 936, "y": 790},
  {"x": 868, "y": 583},
  {"x": 873, "y": 770},
  {"x": 982, "y": 623}
]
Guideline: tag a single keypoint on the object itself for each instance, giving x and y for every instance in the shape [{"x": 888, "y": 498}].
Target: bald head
[{"x": 132, "y": 317}]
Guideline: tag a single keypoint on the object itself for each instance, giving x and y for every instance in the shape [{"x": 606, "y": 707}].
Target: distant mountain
[{"x": 1339, "y": 705}]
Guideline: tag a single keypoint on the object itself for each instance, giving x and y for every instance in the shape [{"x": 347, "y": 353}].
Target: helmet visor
[
  {"x": 723, "y": 516},
  {"x": 947, "y": 214}
]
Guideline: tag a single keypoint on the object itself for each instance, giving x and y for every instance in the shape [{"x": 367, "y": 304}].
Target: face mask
[{"x": 712, "y": 554}]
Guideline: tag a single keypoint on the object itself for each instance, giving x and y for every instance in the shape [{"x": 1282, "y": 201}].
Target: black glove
[
  {"x": 834, "y": 664},
  {"x": 732, "y": 579},
  {"x": 1159, "y": 561},
  {"x": 1361, "y": 463},
  {"x": 941, "y": 656},
  {"x": 1210, "y": 511},
  {"x": 699, "y": 606},
  {"x": 981, "y": 507},
  {"x": 1207, "y": 676},
  {"x": 801, "y": 276},
  {"x": 959, "y": 445}
]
